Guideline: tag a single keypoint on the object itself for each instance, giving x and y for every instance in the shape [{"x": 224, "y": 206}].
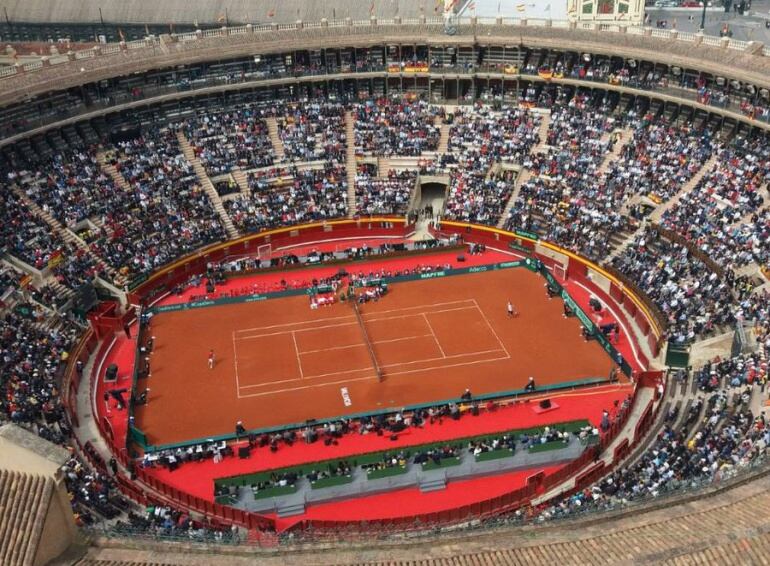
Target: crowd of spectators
[
  {"x": 692, "y": 297},
  {"x": 166, "y": 213},
  {"x": 711, "y": 215},
  {"x": 313, "y": 131},
  {"x": 506, "y": 135},
  {"x": 389, "y": 193},
  {"x": 286, "y": 196},
  {"x": 475, "y": 196},
  {"x": 396, "y": 126},
  {"x": 236, "y": 137},
  {"x": 32, "y": 358},
  {"x": 717, "y": 437}
]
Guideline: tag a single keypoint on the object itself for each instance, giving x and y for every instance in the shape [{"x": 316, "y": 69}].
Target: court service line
[
  {"x": 307, "y": 377},
  {"x": 432, "y": 333},
  {"x": 442, "y": 358},
  {"x": 484, "y": 316},
  {"x": 415, "y": 314},
  {"x": 290, "y": 389},
  {"x": 312, "y": 321},
  {"x": 299, "y": 322},
  {"x": 361, "y": 344},
  {"x": 431, "y": 368},
  {"x": 340, "y": 325},
  {"x": 296, "y": 353},
  {"x": 306, "y": 387},
  {"x": 282, "y": 332}
]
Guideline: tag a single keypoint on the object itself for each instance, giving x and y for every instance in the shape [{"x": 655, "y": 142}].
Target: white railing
[
  {"x": 33, "y": 66},
  {"x": 609, "y": 27},
  {"x": 737, "y": 44},
  {"x": 110, "y": 48},
  {"x": 8, "y": 71},
  {"x": 661, "y": 33}
]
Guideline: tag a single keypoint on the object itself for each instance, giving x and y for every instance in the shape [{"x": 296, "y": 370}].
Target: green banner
[{"x": 525, "y": 234}]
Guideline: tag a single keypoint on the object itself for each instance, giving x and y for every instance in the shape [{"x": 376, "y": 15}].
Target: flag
[
  {"x": 146, "y": 29},
  {"x": 521, "y": 7},
  {"x": 371, "y": 9},
  {"x": 195, "y": 22},
  {"x": 621, "y": 16},
  {"x": 221, "y": 18},
  {"x": 271, "y": 14},
  {"x": 472, "y": 6}
]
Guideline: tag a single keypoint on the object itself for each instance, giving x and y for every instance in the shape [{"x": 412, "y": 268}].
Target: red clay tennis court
[{"x": 279, "y": 362}]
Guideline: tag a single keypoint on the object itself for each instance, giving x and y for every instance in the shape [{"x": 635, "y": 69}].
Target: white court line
[
  {"x": 235, "y": 362},
  {"x": 362, "y": 345},
  {"x": 296, "y": 352},
  {"x": 290, "y": 389},
  {"x": 443, "y": 358},
  {"x": 432, "y": 333},
  {"x": 307, "y": 386},
  {"x": 283, "y": 332},
  {"x": 492, "y": 329},
  {"x": 431, "y": 368},
  {"x": 307, "y": 377},
  {"x": 251, "y": 337},
  {"x": 313, "y": 321}
]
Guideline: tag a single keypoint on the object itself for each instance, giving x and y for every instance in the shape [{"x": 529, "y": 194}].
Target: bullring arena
[{"x": 378, "y": 284}]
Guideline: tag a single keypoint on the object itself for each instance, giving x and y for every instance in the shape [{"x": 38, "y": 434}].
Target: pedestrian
[
  {"x": 511, "y": 310},
  {"x": 114, "y": 466},
  {"x": 530, "y": 385},
  {"x": 211, "y": 359},
  {"x": 127, "y": 330}
]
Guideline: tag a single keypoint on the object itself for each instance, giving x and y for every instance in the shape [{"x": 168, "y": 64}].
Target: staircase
[
  {"x": 657, "y": 214},
  {"x": 275, "y": 139},
  {"x": 443, "y": 141},
  {"x": 290, "y": 509},
  {"x": 614, "y": 155},
  {"x": 383, "y": 166},
  {"x": 207, "y": 185},
  {"x": 350, "y": 162},
  {"x": 523, "y": 177},
  {"x": 242, "y": 179},
  {"x": 65, "y": 233},
  {"x": 542, "y": 133},
  {"x": 114, "y": 174},
  {"x": 61, "y": 290},
  {"x": 432, "y": 484}
]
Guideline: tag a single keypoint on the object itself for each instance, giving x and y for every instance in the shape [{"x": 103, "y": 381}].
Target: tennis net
[{"x": 366, "y": 339}]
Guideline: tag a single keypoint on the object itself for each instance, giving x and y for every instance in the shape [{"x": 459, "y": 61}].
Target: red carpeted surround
[
  {"x": 197, "y": 478},
  {"x": 409, "y": 502}
]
